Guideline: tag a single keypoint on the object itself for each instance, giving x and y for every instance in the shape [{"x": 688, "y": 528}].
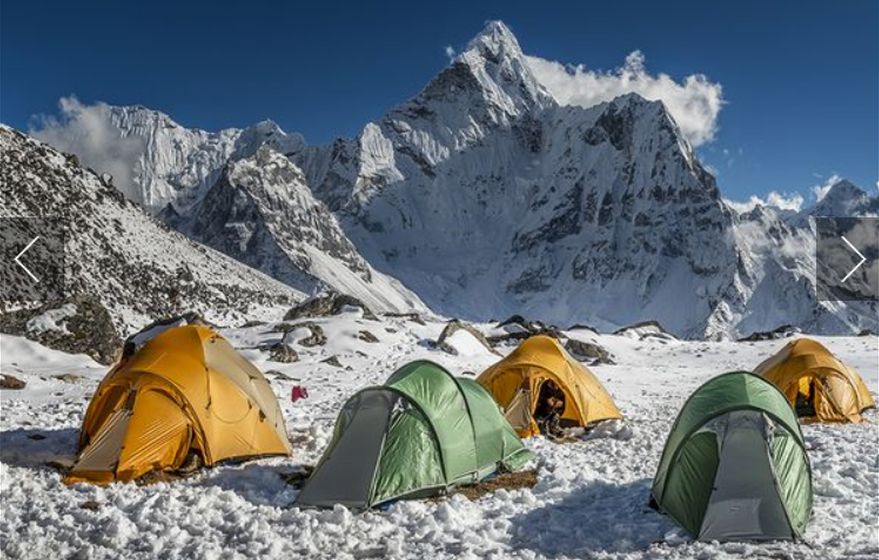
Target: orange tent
[
  {"x": 818, "y": 385},
  {"x": 185, "y": 391},
  {"x": 515, "y": 384}
]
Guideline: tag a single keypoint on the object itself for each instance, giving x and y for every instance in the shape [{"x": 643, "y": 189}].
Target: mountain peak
[
  {"x": 844, "y": 189},
  {"x": 495, "y": 41}
]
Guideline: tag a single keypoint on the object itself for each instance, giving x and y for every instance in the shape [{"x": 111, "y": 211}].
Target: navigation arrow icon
[
  {"x": 17, "y": 258},
  {"x": 857, "y": 266}
]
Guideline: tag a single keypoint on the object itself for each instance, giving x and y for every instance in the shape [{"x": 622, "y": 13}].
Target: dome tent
[
  {"x": 734, "y": 466},
  {"x": 515, "y": 383},
  {"x": 419, "y": 434},
  {"x": 186, "y": 390},
  {"x": 817, "y": 383}
]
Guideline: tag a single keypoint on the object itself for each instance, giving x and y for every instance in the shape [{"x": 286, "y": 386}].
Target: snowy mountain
[
  {"x": 486, "y": 197},
  {"x": 262, "y": 213},
  {"x": 132, "y": 264},
  {"x": 177, "y": 165},
  {"x": 844, "y": 198}
]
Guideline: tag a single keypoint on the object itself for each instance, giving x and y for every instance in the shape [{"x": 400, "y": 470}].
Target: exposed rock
[
  {"x": 644, "y": 330},
  {"x": 68, "y": 377},
  {"x": 316, "y": 338},
  {"x": 278, "y": 375},
  {"x": 79, "y": 325},
  {"x": 784, "y": 331},
  {"x": 454, "y": 326},
  {"x": 90, "y": 505},
  {"x": 367, "y": 336},
  {"x": 333, "y": 361},
  {"x": 282, "y": 353},
  {"x": 414, "y": 317},
  {"x": 327, "y": 304},
  {"x": 10, "y": 382},
  {"x": 588, "y": 352},
  {"x": 517, "y": 328}
]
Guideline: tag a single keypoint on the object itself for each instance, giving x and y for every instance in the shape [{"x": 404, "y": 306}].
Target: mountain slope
[
  {"x": 132, "y": 264},
  {"x": 177, "y": 165},
  {"x": 262, "y": 213},
  {"x": 486, "y": 197}
]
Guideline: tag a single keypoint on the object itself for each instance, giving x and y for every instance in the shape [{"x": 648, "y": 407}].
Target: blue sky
[{"x": 800, "y": 81}]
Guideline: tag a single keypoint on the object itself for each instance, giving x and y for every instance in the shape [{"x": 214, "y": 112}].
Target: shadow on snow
[
  {"x": 596, "y": 517},
  {"x": 34, "y": 447}
]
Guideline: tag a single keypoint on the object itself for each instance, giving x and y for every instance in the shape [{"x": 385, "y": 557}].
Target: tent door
[
  {"x": 346, "y": 475},
  {"x": 744, "y": 503}
]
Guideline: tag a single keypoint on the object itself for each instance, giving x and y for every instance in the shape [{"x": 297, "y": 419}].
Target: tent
[
  {"x": 818, "y": 385},
  {"x": 417, "y": 435},
  {"x": 734, "y": 466},
  {"x": 515, "y": 383},
  {"x": 185, "y": 391}
]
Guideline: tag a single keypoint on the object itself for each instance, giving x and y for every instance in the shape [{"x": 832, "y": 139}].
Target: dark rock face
[
  {"x": 81, "y": 325},
  {"x": 588, "y": 352},
  {"x": 325, "y": 305},
  {"x": 116, "y": 254}
]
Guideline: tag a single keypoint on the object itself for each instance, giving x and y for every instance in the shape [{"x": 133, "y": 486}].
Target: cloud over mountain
[{"x": 695, "y": 102}]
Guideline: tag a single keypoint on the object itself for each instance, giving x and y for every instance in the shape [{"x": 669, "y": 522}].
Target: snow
[
  {"x": 590, "y": 500},
  {"x": 51, "y": 320}
]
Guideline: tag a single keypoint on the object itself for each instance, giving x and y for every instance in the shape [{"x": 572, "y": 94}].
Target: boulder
[
  {"x": 367, "y": 336},
  {"x": 282, "y": 353},
  {"x": 77, "y": 325},
  {"x": 10, "y": 382},
  {"x": 315, "y": 338},
  {"x": 414, "y": 317},
  {"x": 327, "y": 304},
  {"x": 454, "y": 326},
  {"x": 784, "y": 331},
  {"x": 517, "y": 328},
  {"x": 333, "y": 361},
  {"x": 589, "y": 352}
]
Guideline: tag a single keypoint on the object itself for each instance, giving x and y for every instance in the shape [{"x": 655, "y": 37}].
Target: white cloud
[
  {"x": 87, "y": 132},
  {"x": 450, "y": 52},
  {"x": 783, "y": 201},
  {"x": 695, "y": 102},
  {"x": 820, "y": 190}
]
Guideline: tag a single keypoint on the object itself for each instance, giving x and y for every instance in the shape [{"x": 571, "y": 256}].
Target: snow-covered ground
[{"x": 590, "y": 501}]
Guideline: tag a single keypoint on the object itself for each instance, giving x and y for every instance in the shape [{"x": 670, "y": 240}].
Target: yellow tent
[
  {"x": 186, "y": 390},
  {"x": 819, "y": 386},
  {"x": 515, "y": 383}
]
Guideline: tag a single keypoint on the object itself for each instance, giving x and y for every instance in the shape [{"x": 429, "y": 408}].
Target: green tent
[
  {"x": 734, "y": 466},
  {"x": 419, "y": 434}
]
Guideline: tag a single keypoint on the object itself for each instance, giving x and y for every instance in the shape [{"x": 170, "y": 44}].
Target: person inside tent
[
  {"x": 805, "y": 403},
  {"x": 549, "y": 409}
]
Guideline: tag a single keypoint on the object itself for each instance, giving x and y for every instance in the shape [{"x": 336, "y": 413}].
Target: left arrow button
[{"x": 17, "y": 258}]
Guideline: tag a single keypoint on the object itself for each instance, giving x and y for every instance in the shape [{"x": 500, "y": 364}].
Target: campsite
[
  {"x": 438, "y": 281},
  {"x": 591, "y": 496}
]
